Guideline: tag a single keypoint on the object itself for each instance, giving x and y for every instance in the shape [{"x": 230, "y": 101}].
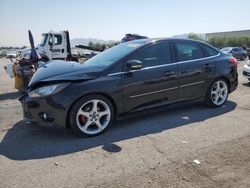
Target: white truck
[{"x": 54, "y": 45}]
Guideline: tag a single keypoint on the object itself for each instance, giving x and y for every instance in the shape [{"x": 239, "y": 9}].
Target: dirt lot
[{"x": 152, "y": 150}]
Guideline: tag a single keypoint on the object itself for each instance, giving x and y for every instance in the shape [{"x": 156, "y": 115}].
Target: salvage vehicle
[
  {"x": 237, "y": 52},
  {"x": 22, "y": 69},
  {"x": 129, "y": 77},
  {"x": 129, "y": 37},
  {"x": 246, "y": 70},
  {"x": 53, "y": 46}
]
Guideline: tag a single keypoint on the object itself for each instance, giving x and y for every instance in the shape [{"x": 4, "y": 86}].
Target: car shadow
[
  {"x": 6, "y": 96},
  {"x": 246, "y": 84},
  {"x": 25, "y": 142}
]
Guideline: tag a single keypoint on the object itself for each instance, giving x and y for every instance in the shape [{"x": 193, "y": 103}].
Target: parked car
[
  {"x": 245, "y": 47},
  {"x": 11, "y": 54},
  {"x": 1, "y": 53},
  {"x": 129, "y": 77},
  {"x": 246, "y": 70},
  {"x": 129, "y": 37},
  {"x": 237, "y": 52}
]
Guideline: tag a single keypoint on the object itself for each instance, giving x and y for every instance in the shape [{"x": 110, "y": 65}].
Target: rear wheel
[
  {"x": 91, "y": 115},
  {"x": 243, "y": 57},
  {"x": 217, "y": 93}
]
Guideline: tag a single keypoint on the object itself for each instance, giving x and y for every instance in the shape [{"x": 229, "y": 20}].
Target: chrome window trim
[
  {"x": 205, "y": 58},
  {"x": 153, "y": 92},
  {"x": 157, "y": 66}
]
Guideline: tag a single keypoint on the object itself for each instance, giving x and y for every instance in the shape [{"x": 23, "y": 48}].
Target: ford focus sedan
[{"x": 129, "y": 77}]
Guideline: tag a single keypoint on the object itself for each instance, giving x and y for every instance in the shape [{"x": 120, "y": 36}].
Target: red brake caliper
[{"x": 83, "y": 119}]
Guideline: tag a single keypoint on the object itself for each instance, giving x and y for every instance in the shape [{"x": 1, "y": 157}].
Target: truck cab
[{"x": 55, "y": 45}]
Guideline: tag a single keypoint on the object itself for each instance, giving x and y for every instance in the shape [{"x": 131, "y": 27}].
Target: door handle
[
  {"x": 209, "y": 66},
  {"x": 169, "y": 73}
]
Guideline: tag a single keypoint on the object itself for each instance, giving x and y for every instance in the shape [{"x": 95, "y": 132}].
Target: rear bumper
[
  {"x": 233, "y": 82},
  {"x": 234, "y": 85}
]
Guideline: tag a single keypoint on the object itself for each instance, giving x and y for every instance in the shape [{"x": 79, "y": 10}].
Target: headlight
[{"x": 48, "y": 90}]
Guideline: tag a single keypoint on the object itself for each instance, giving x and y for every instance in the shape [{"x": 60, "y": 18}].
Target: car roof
[{"x": 149, "y": 40}]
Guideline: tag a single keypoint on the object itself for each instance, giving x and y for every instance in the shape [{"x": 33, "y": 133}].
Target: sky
[{"x": 112, "y": 19}]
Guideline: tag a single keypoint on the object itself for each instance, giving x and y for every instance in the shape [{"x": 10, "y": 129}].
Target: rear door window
[
  {"x": 234, "y": 50},
  {"x": 209, "y": 51},
  {"x": 188, "y": 51},
  {"x": 239, "y": 49},
  {"x": 153, "y": 55}
]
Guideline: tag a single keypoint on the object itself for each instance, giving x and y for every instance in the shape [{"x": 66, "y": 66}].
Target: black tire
[
  {"x": 249, "y": 79},
  {"x": 208, "y": 99},
  {"x": 76, "y": 107},
  {"x": 243, "y": 57}
]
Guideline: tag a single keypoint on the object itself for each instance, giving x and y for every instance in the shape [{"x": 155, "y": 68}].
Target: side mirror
[{"x": 134, "y": 65}]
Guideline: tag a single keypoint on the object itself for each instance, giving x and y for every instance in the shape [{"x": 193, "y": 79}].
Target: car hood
[{"x": 64, "y": 71}]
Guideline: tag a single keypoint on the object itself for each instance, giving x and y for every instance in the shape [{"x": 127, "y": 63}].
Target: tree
[
  {"x": 103, "y": 47},
  {"x": 194, "y": 36},
  {"x": 91, "y": 44},
  {"x": 221, "y": 42},
  {"x": 111, "y": 44}
]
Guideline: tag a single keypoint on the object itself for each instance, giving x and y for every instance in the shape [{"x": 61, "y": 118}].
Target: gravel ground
[{"x": 155, "y": 149}]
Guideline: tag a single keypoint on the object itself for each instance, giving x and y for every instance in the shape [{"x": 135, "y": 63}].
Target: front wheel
[
  {"x": 217, "y": 93},
  {"x": 91, "y": 115}
]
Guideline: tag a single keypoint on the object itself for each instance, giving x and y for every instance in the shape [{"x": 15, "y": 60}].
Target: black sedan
[{"x": 129, "y": 77}]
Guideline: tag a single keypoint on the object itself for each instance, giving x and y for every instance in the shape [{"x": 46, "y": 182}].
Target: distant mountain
[{"x": 85, "y": 41}]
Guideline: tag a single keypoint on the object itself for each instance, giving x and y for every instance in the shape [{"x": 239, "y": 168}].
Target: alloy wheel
[
  {"x": 93, "y": 117},
  {"x": 219, "y": 92}
]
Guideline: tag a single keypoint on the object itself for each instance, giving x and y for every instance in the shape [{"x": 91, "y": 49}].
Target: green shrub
[{"x": 221, "y": 42}]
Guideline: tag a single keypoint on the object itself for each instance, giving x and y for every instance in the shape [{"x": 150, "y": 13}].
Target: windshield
[
  {"x": 44, "y": 38},
  {"x": 226, "y": 49},
  {"x": 113, "y": 54}
]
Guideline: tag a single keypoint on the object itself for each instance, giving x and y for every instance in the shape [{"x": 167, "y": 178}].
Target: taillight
[{"x": 233, "y": 61}]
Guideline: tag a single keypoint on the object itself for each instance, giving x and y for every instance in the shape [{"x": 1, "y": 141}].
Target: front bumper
[
  {"x": 246, "y": 71},
  {"x": 44, "y": 111}
]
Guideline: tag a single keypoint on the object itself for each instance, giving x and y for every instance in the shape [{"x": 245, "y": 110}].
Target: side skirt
[{"x": 157, "y": 108}]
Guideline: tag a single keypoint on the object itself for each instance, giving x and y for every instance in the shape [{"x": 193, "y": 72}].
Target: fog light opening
[{"x": 46, "y": 117}]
